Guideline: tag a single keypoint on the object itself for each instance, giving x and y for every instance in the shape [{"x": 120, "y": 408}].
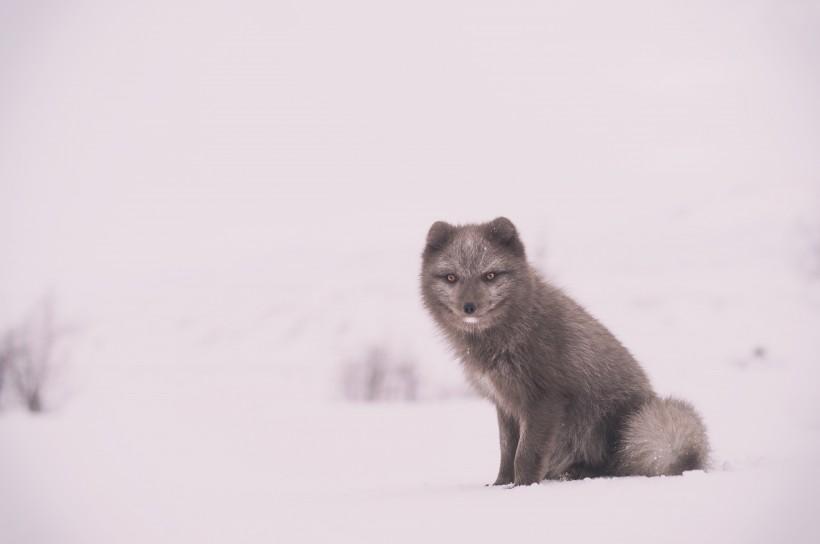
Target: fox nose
[{"x": 469, "y": 308}]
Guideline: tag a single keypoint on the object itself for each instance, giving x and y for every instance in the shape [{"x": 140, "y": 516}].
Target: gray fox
[{"x": 571, "y": 401}]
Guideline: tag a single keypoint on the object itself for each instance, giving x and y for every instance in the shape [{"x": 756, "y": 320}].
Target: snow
[
  {"x": 227, "y": 202},
  {"x": 184, "y": 468}
]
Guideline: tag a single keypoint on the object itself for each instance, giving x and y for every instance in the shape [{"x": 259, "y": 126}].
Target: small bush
[
  {"x": 27, "y": 358},
  {"x": 5, "y": 362},
  {"x": 379, "y": 376}
]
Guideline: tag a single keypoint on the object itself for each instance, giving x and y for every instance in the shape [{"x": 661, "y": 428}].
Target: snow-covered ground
[
  {"x": 227, "y": 202},
  {"x": 176, "y": 466}
]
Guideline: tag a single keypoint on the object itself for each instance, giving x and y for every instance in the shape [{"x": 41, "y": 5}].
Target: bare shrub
[
  {"x": 27, "y": 357},
  {"x": 5, "y": 362},
  {"x": 379, "y": 376}
]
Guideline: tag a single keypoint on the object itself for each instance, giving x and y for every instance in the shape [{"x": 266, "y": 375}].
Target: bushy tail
[{"x": 664, "y": 437}]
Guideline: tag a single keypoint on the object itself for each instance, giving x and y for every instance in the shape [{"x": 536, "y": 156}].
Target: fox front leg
[
  {"x": 508, "y": 438},
  {"x": 536, "y": 433}
]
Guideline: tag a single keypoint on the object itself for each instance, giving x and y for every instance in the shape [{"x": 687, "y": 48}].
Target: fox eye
[
  {"x": 490, "y": 276},
  {"x": 451, "y": 278}
]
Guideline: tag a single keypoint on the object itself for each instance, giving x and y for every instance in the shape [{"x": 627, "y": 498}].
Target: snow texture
[{"x": 227, "y": 202}]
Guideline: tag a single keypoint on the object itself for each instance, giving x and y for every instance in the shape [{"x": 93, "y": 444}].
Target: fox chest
[
  {"x": 485, "y": 386},
  {"x": 498, "y": 386}
]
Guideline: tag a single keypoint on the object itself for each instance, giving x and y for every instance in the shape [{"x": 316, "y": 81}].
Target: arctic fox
[{"x": 571, "y": 401}]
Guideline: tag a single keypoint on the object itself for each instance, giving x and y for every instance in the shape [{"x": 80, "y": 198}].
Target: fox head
[{"x": 474, "y": 276}]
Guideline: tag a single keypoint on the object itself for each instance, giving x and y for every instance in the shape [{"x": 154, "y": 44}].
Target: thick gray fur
[{"x": 571, "y": 401}]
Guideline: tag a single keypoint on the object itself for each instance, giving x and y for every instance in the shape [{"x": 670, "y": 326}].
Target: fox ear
[
  {"x": 438, "y": 236},
  {"x": 501, "y": 231}
]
